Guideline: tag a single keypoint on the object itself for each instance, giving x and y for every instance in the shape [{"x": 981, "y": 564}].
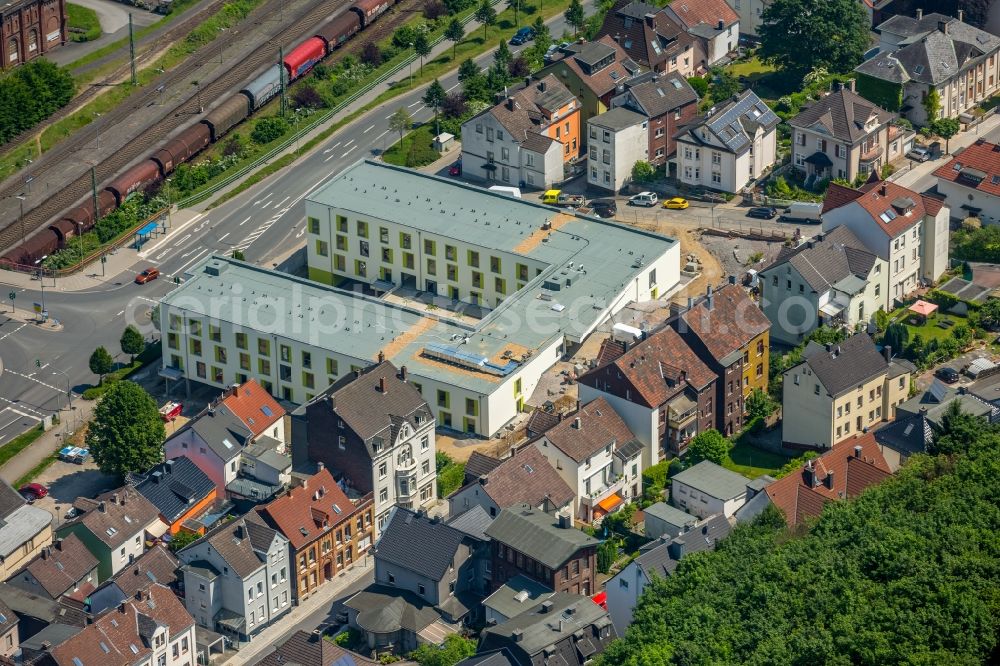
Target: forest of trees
[
  {"x": 909, "y": 573},
  {"x": 31, "y": 93}
]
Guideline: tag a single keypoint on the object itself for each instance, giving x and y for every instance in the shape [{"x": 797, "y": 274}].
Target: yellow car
[{"x": 677, "y": 202}]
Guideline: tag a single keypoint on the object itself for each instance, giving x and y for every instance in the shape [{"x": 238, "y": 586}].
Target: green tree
[
  {"x": 454, "y": 33},
  {"x": 724, "y": 85},
  {"x": 126, "y": 433},
  {"x": 759, "y": 405},
  {"x": 932, "y": 105},
  {"x": 268, "y": 129},
  {"x": 708, "y": 445},
  {"x": 881, "y": 320},
  {"x": 989, "y": 314},
  {"x": 434, "y": 98},
  {"x": 502, "y": 56},
  {"x": 946, "y": 128},
  {"x": 575, "y": 16},
  {"x": 896, "y": 336},
  {"x": 468, "y": 69},
  {"x": 239, "y": 256},
  {"x": 486, "y": 15},
  {"x": 516, "y": 6},
  {"x": 454, "y": 649},
  {"x": 422, "y": 47},
  {"x": 789, "y": 30},
  {"x": 101, "y": 363},
  {"x": 607, "y": 553},
  {"x": 132, "y": 342},
  {"x": 401, "y": 122},
  {"x": 958, "y": 430},
  {"x": 643, "y": 172},
  {"x": 699, "y": 84}
]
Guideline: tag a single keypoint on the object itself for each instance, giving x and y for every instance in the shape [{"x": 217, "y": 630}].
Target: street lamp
[
  {"x": 411, "y": 68},
  {"x": 41, "y": 279},
  {"x": 97, "y": 128},
  {"x": 69, "y": 393},
  {"x": 21, "y": 198}
]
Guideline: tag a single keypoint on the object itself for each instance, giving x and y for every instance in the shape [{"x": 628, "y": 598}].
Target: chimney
[
  {"x": 316, "y": 635},
  {"x": 121, "y": 608},
  {"x": 102, "y": 508},
  {"x": 510, "y": 103},
  {"x": 168, "y": 466},
  {"x": 565, "y": 522},
  {"x": 920, "y": 14},
  {"x": 114, "y": 496},
  {"x": 559, "y": 416},
  {"x": 45, "y": 553},
  {"x": 527, "y": 81},
  {"x": 561, "y": 629},
  {"x": 483, "y": 479},
  {"x": 887, "y": 353},
  {"x": 541, "y": 86},
  {"x": 809, "y": 474},
  {"x": 961, "y": 15},
  {"x": 690, "y": 302},
  {"x": 517, "y": 635},
  {"x": 676, "y": 548},
  {"x": 923, "y": 411},
  {"x": 59, "y": 544},
  {"x": 357, "y": 373},
  {"x": 402, "y": 373},
  {"x": 829, "y": 479},
  {"x": 46, "y": 645},
  {"x": 240, "y": 531},
  {"x": 576, "y": 423},
  {"x": 857, "y": 451},
  {"x": 236, "y": 390},
  {"x": 852, "y": 85},
  {"x": 943, "y": 26},
  {"x": 836, "y": 86},
  {"x": 320, "y": 466},
  {"x": 829, "y": 346},
  {"x": 650, "y": 20},
  {"x": 492, "y": 622},
  {"x": 546, "y": 607},
  {"x": 381, "y": 356},
  {"x": 882, "y": 190},
  {"x": 156, "y": 479},
  {"x": 382, "y": 388},
  {"x": 732, "y": 279},
  {"x": 709, "y": 302},
  {"x": 721, "y": 25}
]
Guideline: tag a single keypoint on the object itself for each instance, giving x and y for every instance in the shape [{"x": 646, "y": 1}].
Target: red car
[
  {"x": 33, "y": 491},
  {"x": 455, "y": 169},
  {"x": 147, "y": 275}
]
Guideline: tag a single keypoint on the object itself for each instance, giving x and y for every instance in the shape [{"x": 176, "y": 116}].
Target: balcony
[
  {"x": 681, "y": 411},
  {"x": 404, "y": 466},
  {"x": 872, "y": 154},
  {"x": 615, "y": 484}
]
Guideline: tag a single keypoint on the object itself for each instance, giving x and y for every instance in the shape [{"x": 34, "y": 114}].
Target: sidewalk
[
  {"x": 49, "y": 442},
  {"x": 911, "y": 176},
  {"x": 90, "y": 277},
  {"x": 266, "y": 640}
]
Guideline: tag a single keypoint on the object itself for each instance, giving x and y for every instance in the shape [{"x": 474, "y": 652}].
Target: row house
[
  {"x": 24, "y": 530},
  {"x": 326, "y": 531},
  {"x": 970, "y": 182},
  {"x": 933, "y": 52},
  {"x": 652, "y": 38},
  {"x": 713, "y": 23},
  {"x": 667, "y": 101}
]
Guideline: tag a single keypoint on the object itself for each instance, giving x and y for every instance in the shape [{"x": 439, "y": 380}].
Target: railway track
[
  {"x": 225, "y": 83},
  {"x": 175, "y": 32}
]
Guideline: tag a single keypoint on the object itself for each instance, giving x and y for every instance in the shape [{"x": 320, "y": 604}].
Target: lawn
[
  {"x": 930, "y": 330},
  {"x": 18, "y": 444},
  {"x": 751, "y": 462},
  {"x": 750, "y": 68},
  {"x": 83, "y": 23},
  {"x": 404, "y": 153}
]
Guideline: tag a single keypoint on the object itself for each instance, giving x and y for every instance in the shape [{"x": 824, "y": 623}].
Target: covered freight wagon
[
  {"x": 227, "y": 115},
  {"x": 264, "y": 87},
  {"x": 183, "y": 147},
  {"x": 339, "y": 30},
  {"x": 304, "y": 56},
  {"x": 43, "y": 243},
  {"x": 369, "y": 10},
  {"x": 136, "y": 179},
  {"x": 64, "y": 230}
]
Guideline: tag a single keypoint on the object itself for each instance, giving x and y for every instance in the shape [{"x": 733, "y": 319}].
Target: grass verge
[
  {"x": 149, "y": 355},
  {"x": 18, "y": 444},
  {"x": 415, "y": 150},
  {"x": 83, "y": 23},
  {"x": 35, "y": 471}
]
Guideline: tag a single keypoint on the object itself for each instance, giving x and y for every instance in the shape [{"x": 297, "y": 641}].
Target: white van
[
  {"x": 802, "y": 212},
  {"x": 509, "y": 191}
]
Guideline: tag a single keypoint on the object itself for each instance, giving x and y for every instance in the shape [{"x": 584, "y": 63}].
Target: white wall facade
[
  {"x": 717, "y": 168},
  {"x": 484, "y": 140},
  {"x": 641, "y": 420},
  {"x": 406, "y": 471},
  {"x": 700, "y": 505},
  {"x": 750, "y": 12},
  {"x": 720, "y": 45},
  {"x": 612, "y": 153},
  {"x": 958, "y": 194},
  {"x": 935, "y": 236},
  {"x": 623, "y": 592}
]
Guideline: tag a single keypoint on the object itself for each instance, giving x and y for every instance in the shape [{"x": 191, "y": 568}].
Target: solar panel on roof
[{"x": 938, "y": 390}]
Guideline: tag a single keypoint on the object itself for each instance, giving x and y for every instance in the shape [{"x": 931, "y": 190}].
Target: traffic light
[{"x": 38, "y": 362}]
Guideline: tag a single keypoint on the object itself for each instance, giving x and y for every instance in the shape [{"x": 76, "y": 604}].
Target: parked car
[
  {"x": 74, "y": 454},
  {"x": 147, "y": 275},
  {"x": 802, "y": 212},
  {"x": 762, "y": 212},
  {"x": 551, "y": 52},
  {"x": 571, "y": 200},
  {"x": 604, "y": 207},
  {"x": 455, "y": 169},
  {"x": 947, "y": 374},
  {"x": 522, "y": 36},
  {"x": 643, "y": 199},
  {"x": 918, "y": 154},
  {"x": 33, "y": 491},
  {"x": 678, "y": 203}
]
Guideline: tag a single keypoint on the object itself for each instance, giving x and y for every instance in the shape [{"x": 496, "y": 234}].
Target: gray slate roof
[
  {"x": 539, "y": 628},
  {"x": 824, "y": 263},
  {"x": 473, "y": 522},
  {"x": 842, "y": 114},
  {"x": 538, "y": 535},
  {"x": 713, "y": 480},
  {"x": 928, "y": 55},
  {"x": 217, "y": 427},
  {"x": 845, "y": 365},
  {"x": 499, "y": 657},
  {"x": 669, "y": 514},
  {"x": 242, "y": 543},
  {"x": 174, "y": 486},
  {"x": 416, "y": 542},
  {"x": 663, "y": 559},
  {"x": 907, "y": 434},
  {"x": 617, "y": 119},
  {"x": 656, "y": 94},
  {"x": 506, "y": 601},
  {"x": 383, "y": 610},
  {"x": 20, "y": 525},
  {"x": 10, "y": 500}
]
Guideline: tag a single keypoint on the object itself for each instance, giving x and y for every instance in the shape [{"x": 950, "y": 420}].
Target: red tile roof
[
  {"x": 876, "y": 198},
  {"x": 839, "y": 473},
  {"x": 932, "y": 204},
  {"x": 838, "y": 195},
  {"x": 656, "y": 368},
  {"x": 710, "y": 12},
  {"x": 121, "y": 637},
  {"x": 588, "y": 430},
  {"x": 248, "y": 402},
  {"x": 309, "y": 510},
  {"x": 982, "y": 157},
  {"x": 731, "y": 324}
]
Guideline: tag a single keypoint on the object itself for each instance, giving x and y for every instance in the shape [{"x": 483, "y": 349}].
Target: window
[
  {"x": 382, "y": 471},
  {"x": 322, "y": 248},
  {"x": 362, "y": 229},
  {"x": 383, "y": 496},
  {"x": 425, "y": 467},
  {"x": 443, "y": 399}
]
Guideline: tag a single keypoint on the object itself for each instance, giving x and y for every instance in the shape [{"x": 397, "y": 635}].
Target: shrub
[
  {"x": 643, "y": 172},
  {"x": 268, "y": 130},
  {"x": 371, "y": 55},
  {"x": 32, "y": 93},
  {"x": 306, "y": 97},
  {"x": 656, "y": 475},
  {"x": 699, "y": 84}
]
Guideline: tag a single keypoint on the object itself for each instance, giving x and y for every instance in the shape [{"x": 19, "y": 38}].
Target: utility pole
[
  {"x": 93, "y": 189},
  {"x": 131, "y": 50},
  {"x": 21, "y": 198},
  {"x": 281, "y": 77}
]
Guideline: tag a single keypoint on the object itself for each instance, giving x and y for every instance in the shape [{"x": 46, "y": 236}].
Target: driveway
[{"x": 114, "y": 15}]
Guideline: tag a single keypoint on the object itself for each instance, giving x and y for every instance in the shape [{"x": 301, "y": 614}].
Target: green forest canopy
[{"x": 907, "y": 573}]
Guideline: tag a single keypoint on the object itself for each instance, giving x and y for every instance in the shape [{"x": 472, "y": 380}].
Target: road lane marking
[
  {"x": 245, "y": 221},
  {"x": 327, "y": 159},
  {"x": 193, "y": 259},
  {"x": 120, "y": 313},
  {"x": 143, "y": 298},
  {"x": 18, "y": 411},
  {"x": 223, "y": 236},
  {"x": 348, "y": 152},
  {"x": 30, "y": 378},
  {"x": 453, "y": 87},
  {"x": 381, "y": 135},
  {"x": 301, "y": 231},
  {"x": 9, "y": 333},
  {"x": 369, "y": 129},
  {"x": 410, "y": 106},
  {"x": 278, "y": 205},
  {"x": 166, "y": 239},
  {"x": 390, "y": 116}
]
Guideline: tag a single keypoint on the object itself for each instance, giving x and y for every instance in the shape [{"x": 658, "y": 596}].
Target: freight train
[{"x": 197, "y": 137}]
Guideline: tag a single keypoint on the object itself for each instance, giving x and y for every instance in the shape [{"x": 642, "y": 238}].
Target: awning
[
  {"x": 230, "y": 620},
  {"x": 819, "y": 159},
  {"x": 601, "y": 599},
  {"x": 610, "y": 502},
  {"x": 490, "y": 166},
  {"x": 923, "y": 308},
  {"x": 831, "y": 308},
  {"x": 157, "y": 529},
  {"x": 172, "y": 374}
]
